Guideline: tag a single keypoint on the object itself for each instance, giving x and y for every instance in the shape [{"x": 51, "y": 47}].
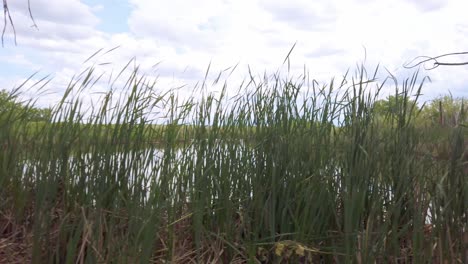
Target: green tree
[
  {"x": 10, "y": 107},
  {"x": 446, "y": 111},
  {"x": 395, "y": 106},
  {"x": 7, "y": 101}
]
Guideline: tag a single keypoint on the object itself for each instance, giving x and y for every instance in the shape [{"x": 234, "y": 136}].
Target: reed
[{"x": 285, "y": 170}]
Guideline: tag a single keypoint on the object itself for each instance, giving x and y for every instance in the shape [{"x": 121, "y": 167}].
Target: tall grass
[{"x": 286, "y": 170}]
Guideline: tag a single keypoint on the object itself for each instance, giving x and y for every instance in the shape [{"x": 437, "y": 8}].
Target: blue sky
[
  {"x": 186, "y": 36},
  {"x": 113, "y": 15}
]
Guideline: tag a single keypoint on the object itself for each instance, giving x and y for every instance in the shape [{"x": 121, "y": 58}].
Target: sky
[{"x": 175, "y": 41}]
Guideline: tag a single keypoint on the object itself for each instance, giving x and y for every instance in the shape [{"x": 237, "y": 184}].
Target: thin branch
[
  {"x": 436, "y": 64},
  {"x": 5, "y": 8},
  {"x": 452, "y": 63},
  {"x": 31, "y": 16},
  {"x": 6, "y": 12}
]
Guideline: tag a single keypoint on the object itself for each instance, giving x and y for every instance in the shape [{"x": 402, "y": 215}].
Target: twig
[
  {"x": 31, "y": 16},
  {"x": 6, "y": 12},
  {"x": 436, "y": 62}
]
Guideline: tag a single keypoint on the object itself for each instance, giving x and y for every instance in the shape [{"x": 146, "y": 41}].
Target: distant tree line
[
  {"x": 442, "y": 111},
  {"x": 11, "y": 107}
]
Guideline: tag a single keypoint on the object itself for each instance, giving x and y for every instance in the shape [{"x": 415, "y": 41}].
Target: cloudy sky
[{"x": 184, "y": 37}]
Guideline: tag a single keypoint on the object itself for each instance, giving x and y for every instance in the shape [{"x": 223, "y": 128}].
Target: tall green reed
[{"x": 145, "y": 175}]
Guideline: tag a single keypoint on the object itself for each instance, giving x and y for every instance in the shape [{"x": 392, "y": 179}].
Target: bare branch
[
  {"x": 6, "y": 13},
  {"x": 31, "y": 16},
  {"x": 425, "y": 59}
]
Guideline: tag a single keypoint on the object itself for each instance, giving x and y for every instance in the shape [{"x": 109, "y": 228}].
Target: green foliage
[
  {"x": 393, "y": 104},
  {"x": 7, "y": 102},
  {"x": 10, "y": 106},
  {"x": 282, "y": 171},
  {"x": 394, "y": 107},
  {"x": 445, "y": 111}
]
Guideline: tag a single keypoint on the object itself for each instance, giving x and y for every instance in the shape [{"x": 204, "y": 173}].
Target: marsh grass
[{"x": 284, "y": 171}]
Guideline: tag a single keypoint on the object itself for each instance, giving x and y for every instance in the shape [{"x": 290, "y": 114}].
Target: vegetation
[
  {"x": 283, "y": 172},
  {"x": 446, "y": 111},
  {"x": 9, "y": 104}
]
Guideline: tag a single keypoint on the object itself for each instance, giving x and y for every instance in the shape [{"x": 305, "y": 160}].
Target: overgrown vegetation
[
  {"x": 9, "y": 104},
  {"x": 285, "y": 171}
]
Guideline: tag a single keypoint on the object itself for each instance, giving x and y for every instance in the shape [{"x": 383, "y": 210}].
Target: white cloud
[
  {"x": 302, "y": 14},
  {"x": 429, "y": 5},
  {"x": 70, "y": 12},
  {"x": 185, "y": 36},
  {"x": 18, "y": 59}
]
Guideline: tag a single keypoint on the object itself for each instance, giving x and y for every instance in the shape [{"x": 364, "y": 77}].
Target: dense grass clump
[{"x": 285, "y": 171}]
